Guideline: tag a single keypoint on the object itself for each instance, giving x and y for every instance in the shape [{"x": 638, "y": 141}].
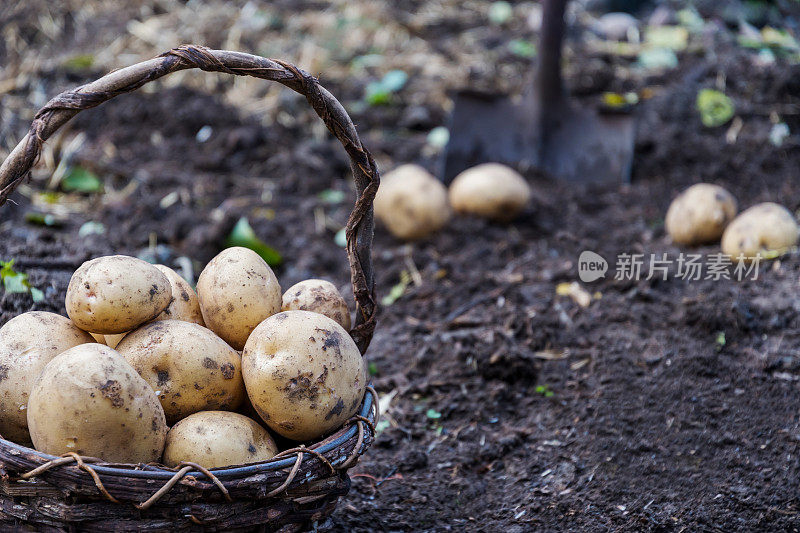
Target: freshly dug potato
[
  {"x": 111, "y": 340},
  {"x": 237, "y": 290},
  {"x": 189, "y": 367},
  {"x": 411, "y": 203},
  {"x": 767, "y": 228},
  {"x": 490, "y": 190},
  {"x": 215, "y": 439},
  {"x": 27, "y": 343},
  {"x": 303, "y": 373},
  {"x": 184, "y": 304},
  {"x": 317, "y": 296},
  {"x": 699, "y": 214},
  {"x": 90, "y": 401},
  {"x": 115, "y": 294}
]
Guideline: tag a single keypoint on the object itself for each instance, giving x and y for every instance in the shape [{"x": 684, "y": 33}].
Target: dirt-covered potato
[
  {"x": 317, "y": 296},
  {"x": 303, "y": 373},
  {"x": 767, "y": 228},
  {"x": 90, "y": 401},
  {"x": 189, "y": 367},
  {"x": 490, "y": 190},
  {"x": 215, "y": 439},
  {"x": 116, "y": 293},
  {"x": 411, "y": 203},
  {"x": 27, "y": 343},
  {"x": 699, "y": 214},
  {"x": 184, "y": 304},
  {"x": 237, "y": 290}
]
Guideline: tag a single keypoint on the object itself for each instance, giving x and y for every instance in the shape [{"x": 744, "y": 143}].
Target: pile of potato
[
  {"x": 705, "y": 213},
  {"x": 146, "y": 370},
  {"x": 413, "y": 204}
]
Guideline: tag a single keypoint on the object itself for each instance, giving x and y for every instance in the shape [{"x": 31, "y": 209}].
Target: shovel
[{"x": 543, "y": 129}]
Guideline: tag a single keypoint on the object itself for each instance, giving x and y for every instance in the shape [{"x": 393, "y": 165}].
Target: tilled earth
[{"x": 664, "y": 405}]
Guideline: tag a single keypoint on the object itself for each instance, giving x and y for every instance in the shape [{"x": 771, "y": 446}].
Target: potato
[
  {"x": 490, "y": 190},
  {"x": 699, "y": 214},
  {"x": 768, "y": 229},
  {"x": 90, "y": 401},
  {"x": 189, "y": 367},
  {"x": 303, "y": 373},
  {"x": 237, "y": 290},
  {"x": 184, "y": 304},
  {"x": 109, "y": 340},
  {"x": 317, "y": 296},
  {"x": 115, "y": 294},
  {"x": 411, "y": 203},
  {"x": 27, "y": 343},
  {"x": 215, "y": 439}
]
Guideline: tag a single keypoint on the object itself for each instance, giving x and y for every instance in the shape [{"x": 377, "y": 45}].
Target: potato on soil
[
  {"x": 237, "y": 290},
  {"x": 699, "y": 214},
  {"x": 27, "y": 343},
  {"x": 90, "y": 401},
  {"x": 768, "y": 229},
  {"x": 303, "y": 373},
  {"x": 115, "y": 294},
  {"x": 184, "y": 304},
  {"x": 411, "y": 203},
  {"x": 490, "y": 190},
  {"x": 317, "y": 296},
  {"x": 189, "y": 367},
  {"x": 215, "y": 439}
]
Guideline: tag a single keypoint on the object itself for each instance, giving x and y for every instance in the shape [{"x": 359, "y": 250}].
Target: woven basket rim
[{"x": 225, "y": 473}]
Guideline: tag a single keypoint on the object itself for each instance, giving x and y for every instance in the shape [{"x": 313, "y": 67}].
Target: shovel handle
[{"x": 548, "y": 76}]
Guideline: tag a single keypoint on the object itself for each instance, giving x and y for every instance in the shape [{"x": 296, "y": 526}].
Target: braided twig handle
[{"x": 359, "y": 229}]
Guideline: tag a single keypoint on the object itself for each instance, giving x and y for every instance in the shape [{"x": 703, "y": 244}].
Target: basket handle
[{"x": 360, "y": 225}]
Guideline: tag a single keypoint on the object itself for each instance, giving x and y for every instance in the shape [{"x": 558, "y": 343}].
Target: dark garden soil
[{"x": 675, "y": 405}]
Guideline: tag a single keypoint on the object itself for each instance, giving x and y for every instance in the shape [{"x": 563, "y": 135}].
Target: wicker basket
[{"x": 288, "y": 493}]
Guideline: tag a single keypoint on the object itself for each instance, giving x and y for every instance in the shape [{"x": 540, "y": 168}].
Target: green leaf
[
  {"x": 721, "y": 339},
  {"x": 13, "y": 281},
  {"x": 715, "y": 108},
  {"x": 522, "y": 48},
  {"x": 394, "y": 293},
  {"x": 243, "y": 235},
  {"x": 373, "y": 369},
  {"x": 79, "y": 62},
  {"x": 433, "y": 414},
  {"x": 376, "y": 94},
  {"x": 544, "y": 390},
  {"x": 81, "y": 180},
  {"x": 618, "y": 101},
  {"x": 37, "y": 295},
  {"x": 500, "y": 12},
  {"x": 331, "y": 196},
  {"x": 43, "y": 219}
]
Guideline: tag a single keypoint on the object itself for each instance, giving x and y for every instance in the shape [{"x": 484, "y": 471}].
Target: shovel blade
[{"x": 578, "y": 145}]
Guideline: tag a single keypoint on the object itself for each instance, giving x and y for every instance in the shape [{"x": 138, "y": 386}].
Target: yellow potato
[
  {"x": 699, "y": 214},
  {"x": 490, "y": 190},
  {"x": 237, "y": 290},
  {"x": 189, "y": 367},
  {"x": 318, "y": 296},
  {"x": 304, "y": 374},
  {"x": 215, "y": 439},
  {"x": 115, "y": 294},
  {"x": 90, "y": 401},
  {"x": 411, "y": 203},
  {"x": 768, "y": 229},
  {"x": 27, "y": 343},
  {"x": 184, "y": 304}
]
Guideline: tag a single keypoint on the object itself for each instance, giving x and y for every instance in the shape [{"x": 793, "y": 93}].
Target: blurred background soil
[{"x": 661, "y": 406}]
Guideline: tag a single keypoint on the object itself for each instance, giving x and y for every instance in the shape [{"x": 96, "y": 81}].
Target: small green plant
[
  {"x": 244, "y": 235},
  {"x": 715, "y": 107},
  {"x": 80, "y": 179},
  {"x": 720, "y": 340},
  {"x": 544, "y": 390},
  {"x": 380, "y": 92},
  {"x": 17, "y": 282}
]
